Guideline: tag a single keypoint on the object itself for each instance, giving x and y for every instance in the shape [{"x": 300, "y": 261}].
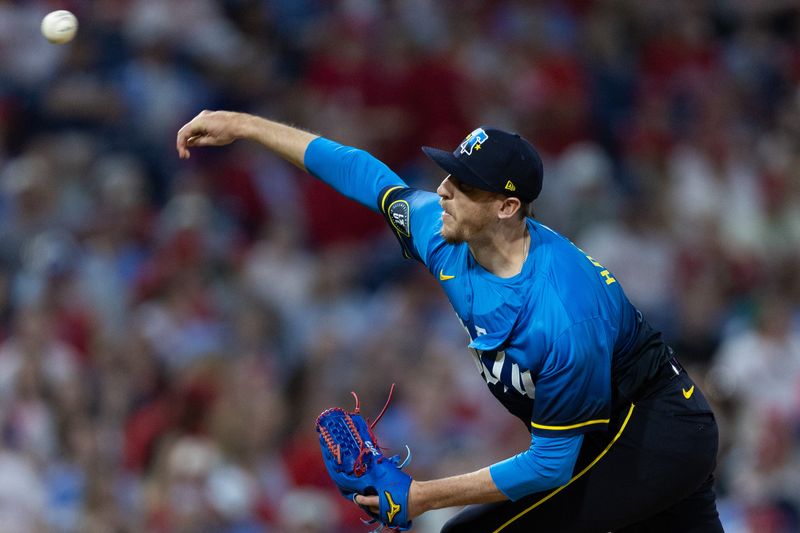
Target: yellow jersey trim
[
  {"x": 383, "y": 200},
  {"x": 573, "y": 426},
  {"x": 578, "y": 475}
]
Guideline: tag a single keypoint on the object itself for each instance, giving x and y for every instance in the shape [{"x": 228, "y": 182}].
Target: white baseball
[{"x": 60, "y": 26}]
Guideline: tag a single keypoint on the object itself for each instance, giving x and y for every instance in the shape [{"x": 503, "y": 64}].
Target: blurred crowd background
[{"x": 169, "y": 330}]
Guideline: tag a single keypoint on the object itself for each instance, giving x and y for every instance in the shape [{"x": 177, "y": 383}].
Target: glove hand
[{"x": 359, "y": 468}]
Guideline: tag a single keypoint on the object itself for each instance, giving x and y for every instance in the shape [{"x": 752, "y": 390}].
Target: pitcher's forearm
[
  {"x": 465, "y": 489},
  {"x": 285, "y": 141},
  {"x": 352, "y": 172}
]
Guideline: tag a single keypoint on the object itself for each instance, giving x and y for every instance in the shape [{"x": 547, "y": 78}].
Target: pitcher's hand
[{"x": 209, "y": 128}]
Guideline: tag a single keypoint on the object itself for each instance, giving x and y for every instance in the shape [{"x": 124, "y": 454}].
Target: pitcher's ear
[{"x": 510, "y": 207}]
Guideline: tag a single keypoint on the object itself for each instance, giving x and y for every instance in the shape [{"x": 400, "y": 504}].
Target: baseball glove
[{"x": 357, "y": 465}]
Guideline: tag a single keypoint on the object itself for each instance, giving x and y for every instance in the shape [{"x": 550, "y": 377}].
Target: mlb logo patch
[{"x": 474, "y": 141}]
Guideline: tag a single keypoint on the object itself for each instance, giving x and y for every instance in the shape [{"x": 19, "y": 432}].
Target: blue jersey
[
  {"x": 558, "y": 344},
  {"x": 543, "y": 340}
]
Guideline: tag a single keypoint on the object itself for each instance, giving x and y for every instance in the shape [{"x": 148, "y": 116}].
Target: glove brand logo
[
  {"x": 371, "y": 448},
  {"x": 393, "y": 507},
  {"x": 474, "y": 141},
  {"x": 688, "y": 393}
]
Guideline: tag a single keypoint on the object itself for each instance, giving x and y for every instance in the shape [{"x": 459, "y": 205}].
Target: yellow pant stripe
[{"x": 578, "y": 475}]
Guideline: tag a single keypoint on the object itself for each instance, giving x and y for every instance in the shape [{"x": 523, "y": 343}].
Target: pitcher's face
[{"x": 466, "y": 211}]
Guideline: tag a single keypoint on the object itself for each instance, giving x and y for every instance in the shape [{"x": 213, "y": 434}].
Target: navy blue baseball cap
[{"x": 494, "y": 160}]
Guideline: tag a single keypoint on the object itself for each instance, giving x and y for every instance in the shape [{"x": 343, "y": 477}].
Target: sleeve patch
[
  {"x": 415, "y": 237},
  {"x": 400, "y": 217}
]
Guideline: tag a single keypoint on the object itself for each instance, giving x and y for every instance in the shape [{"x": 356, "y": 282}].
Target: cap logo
[
  {"x": 510, "y": 186},
  {"x": 474, "y": 141}
]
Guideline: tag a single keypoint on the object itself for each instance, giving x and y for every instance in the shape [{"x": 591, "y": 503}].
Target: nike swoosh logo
[
  {"x": 443, "y": 276},
  {"x": 688, "y": 393}
]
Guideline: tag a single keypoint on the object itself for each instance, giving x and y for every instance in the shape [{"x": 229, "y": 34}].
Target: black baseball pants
[{"x": 651, "y": 472}]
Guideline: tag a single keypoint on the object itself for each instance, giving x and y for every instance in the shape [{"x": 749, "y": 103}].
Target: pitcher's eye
[{"x": 461, "y": 186}]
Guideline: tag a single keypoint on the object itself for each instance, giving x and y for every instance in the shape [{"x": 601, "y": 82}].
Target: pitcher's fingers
[
  {"x": 367, "y": 501},
  {"x": 187, "y": 135},
  {"x": 181, "y": 142}
]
